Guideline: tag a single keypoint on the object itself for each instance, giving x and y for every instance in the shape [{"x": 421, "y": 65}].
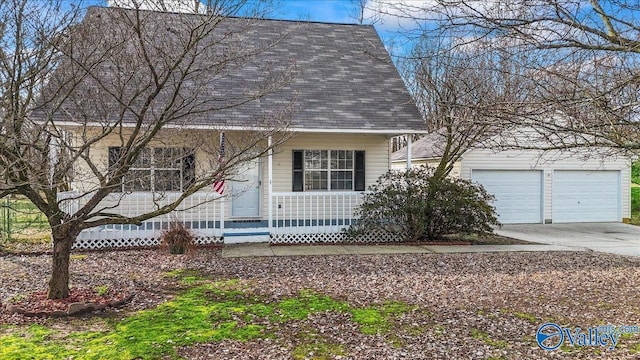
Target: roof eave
[{"x": 390, "y": 132}]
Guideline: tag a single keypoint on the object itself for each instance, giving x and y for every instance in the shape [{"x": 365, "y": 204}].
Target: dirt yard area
[{"x": 413, "y": 306}]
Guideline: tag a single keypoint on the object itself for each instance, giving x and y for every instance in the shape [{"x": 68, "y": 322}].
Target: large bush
[{"x": 414, "y": 205}]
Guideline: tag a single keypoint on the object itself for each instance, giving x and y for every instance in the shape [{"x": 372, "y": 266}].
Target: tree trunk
[{"x": 59, "y": 282}]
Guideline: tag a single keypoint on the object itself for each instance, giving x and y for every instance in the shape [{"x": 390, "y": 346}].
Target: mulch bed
[{"x": 80, "y": 301}]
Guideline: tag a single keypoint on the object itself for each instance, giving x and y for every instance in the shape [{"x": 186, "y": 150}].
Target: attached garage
[
  {"x": 518, "y": 194},
  {"x": 531, "y": 187},
  {"x": 586, "y": 196},
  {"x": 535, "y": 186}
]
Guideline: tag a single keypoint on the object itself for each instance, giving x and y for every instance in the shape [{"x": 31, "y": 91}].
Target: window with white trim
[
  {"x": 326, "y": 170},
  {"x": 158, "y": 169}
]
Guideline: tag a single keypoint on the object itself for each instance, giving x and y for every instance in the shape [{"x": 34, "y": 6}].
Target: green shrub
[
  {"x": 635, "y": 204},
  {"x": 635, "y": 172},
  {"x": 414, "y": 205}
]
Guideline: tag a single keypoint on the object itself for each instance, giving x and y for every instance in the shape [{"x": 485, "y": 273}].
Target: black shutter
[
  {"x": 114, "y": 155},
  {"x": 359, "y": 184},
  {"x": 188, "y": 168},
  {"x": 298, "y": 170}
]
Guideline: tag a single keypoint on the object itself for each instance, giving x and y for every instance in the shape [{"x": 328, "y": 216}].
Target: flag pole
[{"x": 222, "y": 202}]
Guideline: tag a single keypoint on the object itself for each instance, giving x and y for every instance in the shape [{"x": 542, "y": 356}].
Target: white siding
[
  {"x": 535, "y": 160},
  {"x": 400, "y": 165},
  {"x": 376, "y": 155},
  {"x": 203, "y": 141},
  {"x": 376, "y": 149}
]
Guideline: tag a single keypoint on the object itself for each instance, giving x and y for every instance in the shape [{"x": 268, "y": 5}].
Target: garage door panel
[
  {"x": 586, "y": 196},
  {"x": 518, "y": 194}
]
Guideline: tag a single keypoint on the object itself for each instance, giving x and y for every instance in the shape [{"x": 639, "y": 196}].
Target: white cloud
[
  {"x": 185, "y": 6},
  {"x": 411, "y": 14},
  {"x": 397, "y": 14}
]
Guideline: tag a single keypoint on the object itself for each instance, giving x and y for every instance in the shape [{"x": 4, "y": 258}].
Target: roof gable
[{"x": 341, "y": 77}]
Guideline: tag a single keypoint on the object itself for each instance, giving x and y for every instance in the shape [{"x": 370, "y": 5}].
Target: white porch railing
[
  {"x": 324, "y": 214},
  {"x": 199, "y": 212},
  {"x": 296, "y": 217}
]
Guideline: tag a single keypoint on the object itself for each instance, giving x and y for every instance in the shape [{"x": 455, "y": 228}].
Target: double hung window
[
  {"x": 157, "y": 169},
  {"x": 328, "y": 170}
]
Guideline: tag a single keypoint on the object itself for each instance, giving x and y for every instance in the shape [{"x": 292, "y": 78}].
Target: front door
[{"x": 246, "y": 190}]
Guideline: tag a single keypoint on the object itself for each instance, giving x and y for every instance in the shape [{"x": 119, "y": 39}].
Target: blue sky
[
  {"x": 315, "y": 10},
  {"x": 339, "y": 11},
  {"x": 336, "y": 11}
]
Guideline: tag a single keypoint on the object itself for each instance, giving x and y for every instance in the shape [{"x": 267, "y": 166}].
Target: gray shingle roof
[
  {"x": 344, "y": 77},
  {"x": 429, "y": 147}
]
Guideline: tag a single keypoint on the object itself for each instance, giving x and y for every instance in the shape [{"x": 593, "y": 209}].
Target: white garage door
[
  {"x": 586, "y": 196},
  {"x": 518, "y": 194}
]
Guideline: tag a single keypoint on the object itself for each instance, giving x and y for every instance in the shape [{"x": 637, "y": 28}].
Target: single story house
[
  {"x": 533, "y": 186},
  {"x": 349, "y": 101}
]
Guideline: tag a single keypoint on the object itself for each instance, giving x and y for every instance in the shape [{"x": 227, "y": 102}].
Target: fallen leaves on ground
[{"x": 474, "y": 306}]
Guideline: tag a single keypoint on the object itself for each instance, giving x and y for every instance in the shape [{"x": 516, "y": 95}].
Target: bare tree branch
[
  {"x": 581, "y": 58},
  {"x": 135, "y": 80}
]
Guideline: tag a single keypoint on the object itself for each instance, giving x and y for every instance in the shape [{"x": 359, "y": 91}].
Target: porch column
[
  {"x": 222, "y": 201},
  {"x": 222, "y": 198},
  {"x": 270, "y": 182},
  {"x": 53, "y": 160},
  {"x": 409, "y": 143}
]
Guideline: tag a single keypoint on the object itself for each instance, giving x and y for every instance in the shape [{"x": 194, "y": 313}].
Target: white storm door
[{"x": 245, "y": 189}]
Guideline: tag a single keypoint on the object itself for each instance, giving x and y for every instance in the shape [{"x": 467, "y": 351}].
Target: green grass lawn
[
  {"x": 318, "y": 318},
  {"x": 206, "y": 311},
  {"x": 635, "y": 205}
]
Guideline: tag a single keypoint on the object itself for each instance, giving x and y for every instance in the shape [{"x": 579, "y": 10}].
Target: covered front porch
[
  {"x": 309, "y": 217},
  {"x": 265, "y": 201}
]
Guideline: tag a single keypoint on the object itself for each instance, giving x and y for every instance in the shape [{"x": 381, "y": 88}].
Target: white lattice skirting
[
  {"x": 93, "y": 244},
  {"x": 314, "y": 238},
  {"x": 330, "y": 238}
]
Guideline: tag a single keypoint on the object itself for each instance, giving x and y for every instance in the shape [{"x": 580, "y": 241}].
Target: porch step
[{"x": 238, "y": 237}]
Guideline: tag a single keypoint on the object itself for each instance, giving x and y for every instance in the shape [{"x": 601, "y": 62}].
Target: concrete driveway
[{"x": 614, "y": 238}]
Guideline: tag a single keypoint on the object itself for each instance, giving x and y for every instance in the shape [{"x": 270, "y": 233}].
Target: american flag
[{"x": 218, "y": 185}]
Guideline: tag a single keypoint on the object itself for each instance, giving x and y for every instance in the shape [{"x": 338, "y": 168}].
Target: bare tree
[
  {"x": 461, "y": 90},
  {"x": 133, "y": 79},
  {"x": 364, "y": 12},
  {"x": 581, "y": 58}
]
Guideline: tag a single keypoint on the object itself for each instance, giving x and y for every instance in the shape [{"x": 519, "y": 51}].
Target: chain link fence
[{"x": 20, "y": 220}]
